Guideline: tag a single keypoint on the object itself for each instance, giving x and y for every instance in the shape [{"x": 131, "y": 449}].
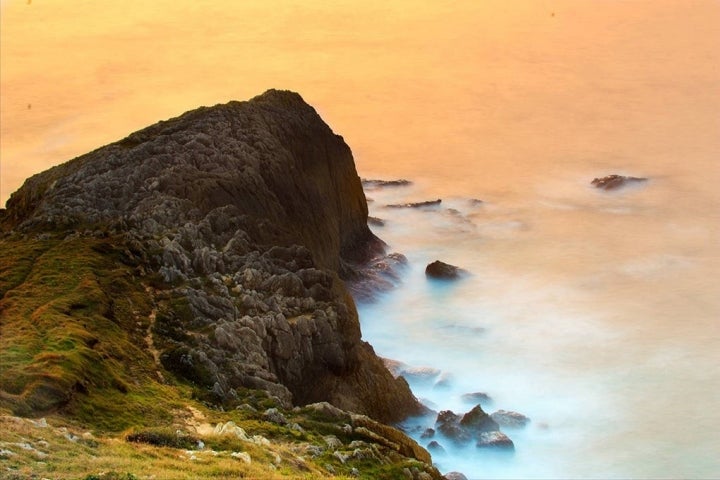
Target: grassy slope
[
  {"x": 73, "y": 324},
  {"x": 73, "y": 320}
]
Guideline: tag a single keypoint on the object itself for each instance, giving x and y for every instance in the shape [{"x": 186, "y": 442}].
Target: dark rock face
[
  {"x": 376, "y": 222},
  {"x": 251, "y": 212},
  {"x": 613, "y": 182},
  {"x": 442, "y": 271},
  {"x": 271, "y": 163}
]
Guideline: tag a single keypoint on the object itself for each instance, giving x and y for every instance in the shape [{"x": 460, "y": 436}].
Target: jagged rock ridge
[{"x": 251, "y": 212}]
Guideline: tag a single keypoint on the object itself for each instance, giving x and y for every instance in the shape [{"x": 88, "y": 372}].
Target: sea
[{"x": 594, "y": 313}]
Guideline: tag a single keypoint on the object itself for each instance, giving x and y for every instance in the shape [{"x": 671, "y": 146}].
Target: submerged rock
[
  {"x": 394, "y": 366},
  {"x": 444, "y": 381},
  {"x": 374, "y": 183},
  {"x": 510, "y": 419},
  {"x": 415, "y": 374},
  {"x": 613, "y": 182},
  {"x": 443, "y": 271},
  {"x": 435, "y": 447},
  {"x": 428, "y": 203},
  {"x": 420, "y": 374},
  {"x": 455, "y": 476},
  {"x": 476, "y": 398},
  {"x": 495, "y": 440}
]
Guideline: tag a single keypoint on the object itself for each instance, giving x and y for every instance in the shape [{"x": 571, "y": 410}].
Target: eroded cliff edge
[{"x": 240, "y": 219}]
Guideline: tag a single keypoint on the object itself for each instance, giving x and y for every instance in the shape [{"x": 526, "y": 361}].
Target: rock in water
[
  {"x": 613, "y": 182},
  {"x": 448, "y": 423},
  {"x": 375, "y": 183},
  {"x": 496, "y": 440},
  {"x": 442, "y": 271},
  {"x": 476, "y": 421},
  {"x": 252, "y": 212},
  {"x": 427, "y": 203},
  {"x": 455, "y": 476},
  {"x": 435, "y": 447},
  {"x": 509, "y": 419},
  {"x": 477, "y": 397}
]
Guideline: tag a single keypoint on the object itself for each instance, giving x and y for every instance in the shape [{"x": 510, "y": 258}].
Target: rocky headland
[{"x": 210, "y": 252}]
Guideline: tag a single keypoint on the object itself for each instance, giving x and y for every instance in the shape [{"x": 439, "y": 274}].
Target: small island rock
[
  {"x": 442, "y": 271},
  {"x": 435, "y": 447},
  {"x": 476, "y": 420},
  {"x": 476, "y": 397},
  {"x": 495, "y": 440},
  {"x": 509, "y": 419},
  {"x": 448, "y": 423},
  {"x": 613, "y": 182},
  {"x": 455, "y": 476},
  {"x": 427, "y": 203}
]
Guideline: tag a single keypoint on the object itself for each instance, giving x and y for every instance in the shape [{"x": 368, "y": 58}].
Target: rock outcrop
[
  {"x": 246, "y": 217},
  {"x": 476, "y": 397},
  {"x": 614, "y": 182},
  {"x": 427, "y": 203},
  {"x": 443, "y": 271},
  {"x": 455, "y": 476},
  {"x": 495, "y": 440},
  {"x": 475, "y": 424},
  {"x": 506, "y": 418},
  {"x": 375, "y": 183}
]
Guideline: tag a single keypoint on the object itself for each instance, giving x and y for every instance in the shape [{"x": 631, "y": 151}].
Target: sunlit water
[{"x": 594, "y": 313}]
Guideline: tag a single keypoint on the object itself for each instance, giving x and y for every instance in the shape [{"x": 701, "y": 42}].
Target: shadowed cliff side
[{"x": 237, "y": 221}]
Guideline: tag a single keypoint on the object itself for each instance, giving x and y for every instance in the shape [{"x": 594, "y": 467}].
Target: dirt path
[{"x": 149, "y": 338}]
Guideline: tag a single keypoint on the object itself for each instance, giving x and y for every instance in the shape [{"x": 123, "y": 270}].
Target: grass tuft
[{"x": 164, "y": 437}]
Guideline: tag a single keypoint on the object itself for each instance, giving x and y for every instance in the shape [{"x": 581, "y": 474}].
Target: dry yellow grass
[{"x": 41, "y": 449}]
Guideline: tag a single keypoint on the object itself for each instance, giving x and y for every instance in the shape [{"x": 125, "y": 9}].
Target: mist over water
[{"x": 582, "y": 310}]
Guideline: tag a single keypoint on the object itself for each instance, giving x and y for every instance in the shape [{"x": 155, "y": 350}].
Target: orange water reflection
[{"x": 504, "y": 89}]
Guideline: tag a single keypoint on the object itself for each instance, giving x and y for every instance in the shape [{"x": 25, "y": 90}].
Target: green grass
[
  {"x": 73, "y": 320},
  {"x": 65, "y": 453},
  {"x": 74, "y": 316}
]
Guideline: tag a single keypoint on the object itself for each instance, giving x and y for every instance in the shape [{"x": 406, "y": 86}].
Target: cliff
[{"x": 209, "y": 248}]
